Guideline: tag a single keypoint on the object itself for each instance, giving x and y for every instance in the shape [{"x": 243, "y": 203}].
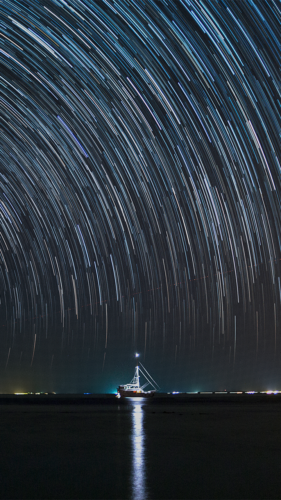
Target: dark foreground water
[{"x": 167, "y": 448}]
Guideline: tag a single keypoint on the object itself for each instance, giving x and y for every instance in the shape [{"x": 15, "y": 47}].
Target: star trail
[{"x": 140, "y": 182}]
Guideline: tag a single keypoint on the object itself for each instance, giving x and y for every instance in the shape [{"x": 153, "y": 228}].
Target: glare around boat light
[{"x": 137, "y": 355}]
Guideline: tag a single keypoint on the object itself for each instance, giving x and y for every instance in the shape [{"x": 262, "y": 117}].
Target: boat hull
[{"x": 135, "y": 394}]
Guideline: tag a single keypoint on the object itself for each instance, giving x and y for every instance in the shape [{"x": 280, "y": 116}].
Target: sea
[{"x": 168, "y": 447}]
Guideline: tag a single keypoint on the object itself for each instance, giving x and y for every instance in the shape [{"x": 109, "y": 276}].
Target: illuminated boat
[{"x": 134, "y": 389}]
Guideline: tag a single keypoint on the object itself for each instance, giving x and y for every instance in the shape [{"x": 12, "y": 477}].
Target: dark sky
[{"x": 140, "y": 191}]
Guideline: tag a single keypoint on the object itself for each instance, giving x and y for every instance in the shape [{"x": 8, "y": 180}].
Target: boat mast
[{"x": 137, "y": 375}]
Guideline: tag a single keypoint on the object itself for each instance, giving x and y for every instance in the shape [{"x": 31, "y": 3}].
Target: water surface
[{"x": 141, "y": 449}]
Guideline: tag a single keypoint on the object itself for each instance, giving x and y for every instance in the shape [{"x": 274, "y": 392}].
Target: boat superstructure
[{"x": 134, "y": 389}]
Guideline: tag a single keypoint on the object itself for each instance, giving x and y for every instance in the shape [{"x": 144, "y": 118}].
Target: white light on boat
[{"x": 137, "y": 355}]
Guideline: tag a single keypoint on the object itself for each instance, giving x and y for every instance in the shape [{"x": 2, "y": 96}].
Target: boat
[{"x": 134, "y": 389}]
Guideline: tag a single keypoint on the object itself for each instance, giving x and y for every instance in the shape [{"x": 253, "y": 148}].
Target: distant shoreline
[{"x": 160, "y": 398}]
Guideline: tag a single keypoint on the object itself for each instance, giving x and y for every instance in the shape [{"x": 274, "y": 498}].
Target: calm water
[{"x": 141, "y": 449}]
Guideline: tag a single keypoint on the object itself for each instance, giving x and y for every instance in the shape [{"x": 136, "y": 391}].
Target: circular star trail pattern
[{"x": 140, "y": 175}]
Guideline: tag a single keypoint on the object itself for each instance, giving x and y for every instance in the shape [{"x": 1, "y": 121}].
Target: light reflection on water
[{"x": 138, "y": 476}]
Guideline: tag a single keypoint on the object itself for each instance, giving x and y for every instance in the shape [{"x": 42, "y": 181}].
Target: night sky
[{"x": 140, "y": 194}]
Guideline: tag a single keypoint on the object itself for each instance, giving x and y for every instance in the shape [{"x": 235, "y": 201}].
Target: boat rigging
[{"x": 134, "y": 389}]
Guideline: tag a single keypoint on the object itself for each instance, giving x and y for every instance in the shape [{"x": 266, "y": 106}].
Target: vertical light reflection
[{"x": 138, "y": 476}]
